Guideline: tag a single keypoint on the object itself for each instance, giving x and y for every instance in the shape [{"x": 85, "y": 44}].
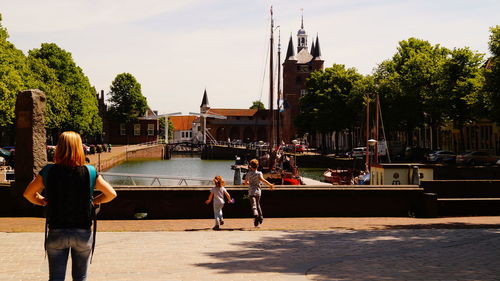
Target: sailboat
[{"x": 277, "y": 166}]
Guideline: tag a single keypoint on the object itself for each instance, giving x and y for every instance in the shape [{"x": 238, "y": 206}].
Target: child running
[
  {"x": 253, "y": 179},
  {"x": 217, "y": 194}
]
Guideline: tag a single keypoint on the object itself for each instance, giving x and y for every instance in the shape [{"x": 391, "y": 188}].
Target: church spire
[
  {"x": 317, "y": 51},
  {"x": 302, "y": 16},
  {"x": 290, "y": 53},
  {"x": 301, "y": 36},
  {"x": 204, "y": 102}
]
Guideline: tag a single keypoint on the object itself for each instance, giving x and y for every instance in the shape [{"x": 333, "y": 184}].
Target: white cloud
[{"x": 58, "y": 15}]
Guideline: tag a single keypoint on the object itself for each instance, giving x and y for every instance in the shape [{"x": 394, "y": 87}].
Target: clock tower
[{"x": 297, "y": 69}]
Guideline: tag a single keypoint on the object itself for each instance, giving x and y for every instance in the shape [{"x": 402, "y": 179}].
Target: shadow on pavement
[
  {"x": 409, "y": 254},
  {"x": 454, "y": 225},
  {"x": 209, "y": 228}
]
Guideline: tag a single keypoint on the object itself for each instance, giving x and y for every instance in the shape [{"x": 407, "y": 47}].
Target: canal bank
[{"x": 119, "y": 154}]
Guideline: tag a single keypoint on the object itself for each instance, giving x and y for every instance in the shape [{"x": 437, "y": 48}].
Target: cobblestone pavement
[{"x": 397, "y": 252}]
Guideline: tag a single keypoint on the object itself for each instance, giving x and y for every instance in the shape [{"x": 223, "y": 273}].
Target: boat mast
[
  {"x": 377, "y": 110},
  {"x": 278, "y": 139},
  {"x": 367, "y": 134},
  {"x": 271, "y": 84}
]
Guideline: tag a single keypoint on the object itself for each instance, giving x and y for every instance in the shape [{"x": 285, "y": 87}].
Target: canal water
[{"x": 188, "y": 167}]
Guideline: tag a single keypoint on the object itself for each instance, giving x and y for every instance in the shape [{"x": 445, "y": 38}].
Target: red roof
[
  {"x": 182, "y": 123},
  {"x": 232, "y": 112}
]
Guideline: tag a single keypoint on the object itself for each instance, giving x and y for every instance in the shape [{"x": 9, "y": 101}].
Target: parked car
[
  {"x": 416, "y": 154},
  {"x": 476, "y": 158},
  {"x": 358, "y": 152},
  {"x": 8, "y": 156},
  {"x": 86, "y": 149},
  {"x": 442, "y": 156}
]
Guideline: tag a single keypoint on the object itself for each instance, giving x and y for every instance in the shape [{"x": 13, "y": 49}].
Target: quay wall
[
  {"x": 135, "y": 152},
  {"x": 298, "y": 201},
  {"x": 430, "y": 199}
]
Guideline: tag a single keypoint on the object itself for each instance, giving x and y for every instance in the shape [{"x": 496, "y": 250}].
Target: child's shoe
[
  {"x": 221, "y": 222},
  {"x": 261, "y": 219},
  {"x": 256, "y": 221},
  {"x": 216, "y": 227}
]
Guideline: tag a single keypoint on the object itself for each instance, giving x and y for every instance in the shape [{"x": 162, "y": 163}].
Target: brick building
[
  {"x": 145, "y": 129},
  {"x": 297, "y": 69},
  {"x": 246, "y": 125}
]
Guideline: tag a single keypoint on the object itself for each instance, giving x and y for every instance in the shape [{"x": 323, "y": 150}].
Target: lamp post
[{"x": 371, "y": 144}]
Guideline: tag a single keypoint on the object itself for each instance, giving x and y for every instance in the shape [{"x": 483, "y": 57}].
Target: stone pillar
[{"x": 30, "y": 154}]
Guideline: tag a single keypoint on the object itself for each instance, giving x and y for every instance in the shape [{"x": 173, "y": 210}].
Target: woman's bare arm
[
  {"x": 108, "y": 192},
  {"x": 32, "y": 192}
]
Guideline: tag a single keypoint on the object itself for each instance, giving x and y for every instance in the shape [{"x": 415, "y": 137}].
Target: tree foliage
[
  {"x": 331, "y": 103},
  {"x": 492, "y": 73},
  {"x": 127, "y": 101},
  {"x": 408, "y": 84},
  {"x": 72, "y": 84},
  {"x": 257, "y": 105},
  {"x": 13, "y": 73},
  {"x": 429, "y": 84}
]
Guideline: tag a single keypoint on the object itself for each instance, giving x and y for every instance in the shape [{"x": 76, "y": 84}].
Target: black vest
[{"x": 68, "y": 196}]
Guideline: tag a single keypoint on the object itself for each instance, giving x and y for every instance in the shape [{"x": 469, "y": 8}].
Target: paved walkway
[{"x": 337, "y": 249}]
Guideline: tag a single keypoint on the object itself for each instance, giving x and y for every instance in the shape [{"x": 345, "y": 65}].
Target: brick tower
[{"x": 296, "y": 69}]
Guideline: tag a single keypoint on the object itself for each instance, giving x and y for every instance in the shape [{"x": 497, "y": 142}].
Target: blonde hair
[
  {"x": 69, "y": 150},
  {"x": 254, "y": 163},
  {"x": 219, "y": 181}
]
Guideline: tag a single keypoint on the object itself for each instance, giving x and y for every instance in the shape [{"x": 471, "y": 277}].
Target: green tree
[
  {"x": 44, "y": 78},
  {"x": 492, "y": 73},
  {"x": 257, "y": 105},
  {"x": 331, "y": 103},
  {"x": 460, "y": 87},
  {"x": 127, "y": 101},
  {"x": 82, "y": 106},
  {"x": 171, "y": 128},
  {"x": 13, "y": 73},
  {"x": 408, "y": 85}
]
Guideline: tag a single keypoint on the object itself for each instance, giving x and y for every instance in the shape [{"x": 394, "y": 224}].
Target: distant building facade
[
  {"x": 145, "y": 129},
  {"x": 183, "y": 128},
  {"x": 245, "y": 125}
]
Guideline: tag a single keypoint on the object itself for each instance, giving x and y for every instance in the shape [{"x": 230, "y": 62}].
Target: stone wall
[
  {"x": 188, "y": 202},
  {"x": 141, "y": 152}
]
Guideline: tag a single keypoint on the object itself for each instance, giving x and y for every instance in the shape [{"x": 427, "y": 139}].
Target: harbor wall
[
  {"x": 135, "y": 152},
  {"x": 431, "y": 199},
  {"x": 188, "y": 202}
]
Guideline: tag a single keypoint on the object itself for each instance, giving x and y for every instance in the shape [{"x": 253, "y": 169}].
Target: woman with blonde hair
[{"x": 68, "y": 185}]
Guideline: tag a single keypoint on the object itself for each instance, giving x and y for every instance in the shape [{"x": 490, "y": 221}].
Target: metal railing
[{"x": 134, "y": 178}]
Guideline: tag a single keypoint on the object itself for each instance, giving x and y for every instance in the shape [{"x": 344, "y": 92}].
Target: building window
[
  {"x": 123, "y": 130},
  {"x": 151, "y": 129},
  {"x": 137, "y": 129}
]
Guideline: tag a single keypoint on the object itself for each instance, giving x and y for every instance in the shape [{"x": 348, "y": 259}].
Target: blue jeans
[
  {"x": 59, "y": 243},
  {"x": 218, "y": 213}
]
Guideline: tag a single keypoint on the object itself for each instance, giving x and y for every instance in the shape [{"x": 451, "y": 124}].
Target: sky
[{"x": 177, "y": 49}]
